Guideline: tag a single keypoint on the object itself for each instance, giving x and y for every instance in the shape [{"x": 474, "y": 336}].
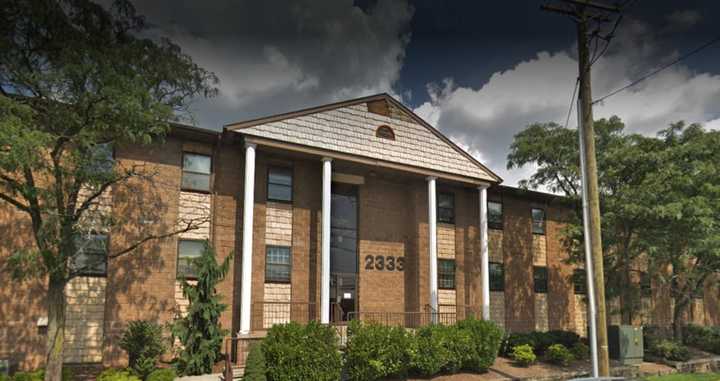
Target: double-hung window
[
  {"x": 446, "y": 274},
  {"x": 91, "y": 255},
  {"x": 497, "y": 276},
  {"x": 188, "y": 251},
  {"x": 279, "y": 187},
  {"x": 277, "y": 264},
  {"x": 538, "y": 221},
  {"x": 540, "y": 279},
  {"x": 495, "y": 215},
  {"x": 446, "y": 208},
  {"x": 197, "y": 170},
  {"x": 579, "y": 282}
]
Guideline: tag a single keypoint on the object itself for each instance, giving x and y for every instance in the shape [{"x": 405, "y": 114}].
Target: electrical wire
[
  {"x": 572, "y": 102},
  {"x": 656, "y": 71}
]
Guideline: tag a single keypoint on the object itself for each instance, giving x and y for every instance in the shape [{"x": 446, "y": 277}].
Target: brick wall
[{"x": 85, "y": 319}]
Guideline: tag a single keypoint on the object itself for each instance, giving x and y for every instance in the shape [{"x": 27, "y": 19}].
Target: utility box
[{"x": 625, "y": 343}]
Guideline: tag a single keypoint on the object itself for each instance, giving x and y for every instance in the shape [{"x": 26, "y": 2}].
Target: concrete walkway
[{"x": 204, "y": 377}]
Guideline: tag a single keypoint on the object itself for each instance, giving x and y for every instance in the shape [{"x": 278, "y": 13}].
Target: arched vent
[{"x": 385, "y": 132}]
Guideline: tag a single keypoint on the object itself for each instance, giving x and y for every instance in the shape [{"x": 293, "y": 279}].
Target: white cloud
[
  {"x": 274, "y": 56},
  {"x": 538, "y": 90}
]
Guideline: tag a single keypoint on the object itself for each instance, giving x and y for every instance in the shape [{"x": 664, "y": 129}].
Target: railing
[
  {"x": 446, "y": 314},
  {"x": 266, "y": 314},
  {"x": 236, "y": 350}
]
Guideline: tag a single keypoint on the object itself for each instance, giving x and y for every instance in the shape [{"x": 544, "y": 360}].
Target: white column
[
  {"x": 432, "y": 243},
  {"x": 247, "y": 243},
  {"x": 484, "y": 256},
  {"x": 325, "y": 269}
]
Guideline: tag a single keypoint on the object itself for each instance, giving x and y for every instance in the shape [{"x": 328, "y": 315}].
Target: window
[
  {"x": 446, "y": 208},
  {"x": 538, "y": 221},
  {"x": 540, "y": 279},
  {"x": 497, "y": 276},
  {"x": 579, "y": 282},
  {"x": 495, "y": 215},
  {"x": 279, "y": 184},
  {"x": 101, "y": 160},
  {"x": 645, "y": 285},
  {"x": 277, "y": 264},
  {"x": 446, "y": 274},
  {"x": 196, "y": 172},
  {"x": 188, "y": 251},
  {"x": 385, "y": 132},
  {"x": 91, "y": 257}
]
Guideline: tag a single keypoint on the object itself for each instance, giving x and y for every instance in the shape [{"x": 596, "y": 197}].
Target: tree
[
  {"x": 686, "y": 213},
  {"x": 199, "y": 331},
  {"x": 624, "y": 160},
  {"x": 76, "y": 80}
]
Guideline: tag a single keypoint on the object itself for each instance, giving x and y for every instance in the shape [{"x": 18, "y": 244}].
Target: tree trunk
[
  {"x": 56, "y": 329},
  {"x": 677, "y": 317}
]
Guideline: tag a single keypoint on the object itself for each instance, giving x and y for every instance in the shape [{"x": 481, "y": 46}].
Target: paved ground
[{"x": 205, "y": 377}]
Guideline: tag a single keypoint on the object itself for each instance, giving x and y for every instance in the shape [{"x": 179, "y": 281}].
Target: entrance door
[{"x": 343, "y": 251}]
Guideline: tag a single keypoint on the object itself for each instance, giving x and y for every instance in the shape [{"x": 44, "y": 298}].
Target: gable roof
[{"x": 349, "y": 127}]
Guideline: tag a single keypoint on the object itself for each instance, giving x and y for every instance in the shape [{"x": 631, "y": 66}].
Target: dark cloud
[{"x": 274, "y": 56}]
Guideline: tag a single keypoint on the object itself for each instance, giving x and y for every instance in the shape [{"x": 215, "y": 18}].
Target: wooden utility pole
[{"x": 584, "y": 12}]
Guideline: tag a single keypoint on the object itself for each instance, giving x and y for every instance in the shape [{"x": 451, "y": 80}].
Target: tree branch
[{"x": 190, "y": 225}]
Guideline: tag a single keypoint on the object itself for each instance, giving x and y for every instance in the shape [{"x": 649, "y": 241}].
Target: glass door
[{"x": 343, "y": 251}]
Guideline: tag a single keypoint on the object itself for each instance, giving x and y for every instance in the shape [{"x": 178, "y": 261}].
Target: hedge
[
  {"x": 302, "y": 352},
  {"x": 704, "y": 338},
  {"x": 374, "y": 352},
  {"x": 539, "y": 341}
]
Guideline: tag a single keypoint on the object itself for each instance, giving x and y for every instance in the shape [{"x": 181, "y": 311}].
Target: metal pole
[{"x": 592, "y": 312}]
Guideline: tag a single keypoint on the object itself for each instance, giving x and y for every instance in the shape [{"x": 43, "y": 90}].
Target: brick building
[{"x": 357, "y": 209}]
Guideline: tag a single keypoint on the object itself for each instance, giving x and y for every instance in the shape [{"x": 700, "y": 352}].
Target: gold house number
[{"x": 382, "y": 262}]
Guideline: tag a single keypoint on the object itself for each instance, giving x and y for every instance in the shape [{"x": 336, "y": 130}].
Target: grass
[{"x": 686, "y": 377}]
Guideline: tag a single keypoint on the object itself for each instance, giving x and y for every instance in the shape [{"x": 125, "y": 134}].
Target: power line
[
  {"x": 652, "y": 73},
  {"x": 572, "y": 102}
]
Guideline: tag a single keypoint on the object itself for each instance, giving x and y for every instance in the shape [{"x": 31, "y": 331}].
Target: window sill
[{"x": 196, "y": 191}]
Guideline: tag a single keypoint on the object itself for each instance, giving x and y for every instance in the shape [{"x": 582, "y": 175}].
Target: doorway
[{"x": 343, "y": 251}]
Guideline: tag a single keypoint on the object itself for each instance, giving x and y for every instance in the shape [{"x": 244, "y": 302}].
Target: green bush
[
  {"x": 374, "y": 352},
  {"x": 166, "y": 374},
  {"x": 704, "y": 338},
  {"x": 559, "y": 354},
  {"x": 523, "y": 354},
  {"x": 485, "y": 337},
  {"x": 580, "y": 351},
  {"x": 255, "y": 365},
  {"x": 144, "y": 343},
  {"x": 430, "y": 354},
  {"x": 302, "y": 352},
  {"x": 39, "y": 375},
  {"x": 540, "y": 341},
  {"x": 113, "y": 374},
  {"x": 4, "y": 377},
  {"x": 670, "y": 350}
]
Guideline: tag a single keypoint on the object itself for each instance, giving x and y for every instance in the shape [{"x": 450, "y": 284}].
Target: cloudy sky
[{"x": 478, "y": 71}]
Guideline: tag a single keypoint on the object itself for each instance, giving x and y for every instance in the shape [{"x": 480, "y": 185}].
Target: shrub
[
  {"x": 255, "y": 364},
  {"x": 540, "y": 341},
  {"x": 580, "y": 351},
  {"x": 566, "y": 338},
  {"x": 39, "y": 375},
  {"x": 559, "y": 354},
  {"x": 705, "y": 338},
  {"x": 670, "y": 350},
  {"x": 523, "y": 354},
  {"x": 485, "y": 337},
  {"x": 374, "y": 352},
  {"x": 144, "y": 343},
  {"x": 199, "y": 331},
  {"x": 166, "y": 374},
  {"x": 4, "y": 377},
  {"x": 430, "y": 354},
  {"x": 113, "y": 374},
  {"x": 302, "y": 352}
]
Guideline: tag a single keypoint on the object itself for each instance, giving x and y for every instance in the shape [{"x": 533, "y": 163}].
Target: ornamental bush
[
  {"x": 39, "y": 375},
  {"x": 165, "y": 374},
  {"x": 255, "y": 364},
  {"x": 670, "y": 350},
  {"x": 523, "y": 354},
  {"x": 430, "y": 354},
  {"x": 559, "y": 354},
  {"x": 540, "y": 341},
  {"x": 302, "y": 352},
  {"x": 580, "y": 351},
  {"x": 113, "y": 374},
  {"x": 485, "y": 338},
  {"x": 374, "y": 351},
  {"x": 704, "y": 338},
  {"x": 144, "y": 343}
]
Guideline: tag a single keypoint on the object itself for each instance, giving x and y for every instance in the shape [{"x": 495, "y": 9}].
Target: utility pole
[{"x": 584, "y": 12}]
